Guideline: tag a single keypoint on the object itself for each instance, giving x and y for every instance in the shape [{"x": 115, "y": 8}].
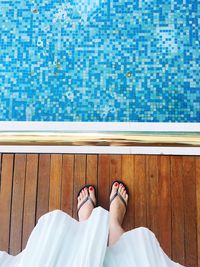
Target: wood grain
[
  {"x": 92, "y": 170},
  {"x": 5, "y": 200},
  {"x": 1, "y": 156},
  {"x": 115, "y": 170},
  {"x": 152, "y": 195},
  {"x": 55, "y": 182},
  {"x": 43, "y": 185},
  {"x": 164, "y": 194},
  {"x": 190, "y": 211},
  {"x": 79, "y": 178},
  {"x": 17, "y": 204},
  {"x": 198, "y": 205},
  {"x": 103, "y": 180},
  {"x": 128, "y": 177},
  {"x": 67, "y": 183},
  {"x": 164, "y": 203},
  {"x": 140, "y": 193},
  {"x": 30, "y": 198},
  {"x": 178, "y": 246}
]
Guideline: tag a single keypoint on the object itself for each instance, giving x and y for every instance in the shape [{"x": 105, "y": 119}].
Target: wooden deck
[{"x": 164, "y": 195}]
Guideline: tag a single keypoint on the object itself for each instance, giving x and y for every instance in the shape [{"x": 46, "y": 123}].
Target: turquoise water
[{"x": 99, "y": 60}]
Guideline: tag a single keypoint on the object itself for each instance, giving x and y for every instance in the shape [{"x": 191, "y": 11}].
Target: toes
[
  {"x": 123, "y": 187},
  {"x": 115, "y": 187},
  {"x": 86, "y": 192},
  {"x": 81, "y": 194},
  {"x": 122, "y": 191},
  {"x": 124, "y": 194},
  {"x": 92, "y": 193},
  {"x": 85, "y": 207}
]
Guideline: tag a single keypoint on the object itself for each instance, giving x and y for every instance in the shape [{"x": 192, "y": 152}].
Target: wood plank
[
  {"x": 103, "y": 180},
  {"x": 5, "y": 200},
  {"x": 189, "y": 189},
  {"x": 79, "y": 178},
  {"x": 198, "y": 205},
  {"x": 140, "y": 193},
  {"x": 67, "y": 183},
  {"x": 128, "y": 177},
  {"x": 178, "y": 247},
  {"x": 17, "y": 204},
  {"x": 43, "y": 185},
  {"x": 1, "y": 156},
  {"x": 30, "y": 197},
  {"x": 92, "y": 170},
  {"x": 152, "y": 193},
  {"x": 164, "y": 209},
  {"x": 184, "y": 203},
  {"x": 55, "y": 182},
  {"x": 115, "y": 168}
]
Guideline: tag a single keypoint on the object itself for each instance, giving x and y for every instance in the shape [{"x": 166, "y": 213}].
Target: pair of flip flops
[{"x": 113, "y": 197}]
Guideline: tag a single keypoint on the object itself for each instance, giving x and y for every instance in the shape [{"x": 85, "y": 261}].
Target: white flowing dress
[{"x": 60, "y": 241}]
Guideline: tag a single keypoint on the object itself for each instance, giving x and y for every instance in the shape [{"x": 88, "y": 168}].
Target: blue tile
[{"x": 99, "y": 60}]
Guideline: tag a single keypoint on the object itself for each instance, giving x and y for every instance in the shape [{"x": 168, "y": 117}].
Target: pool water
[{"x": 99, "y": 60}]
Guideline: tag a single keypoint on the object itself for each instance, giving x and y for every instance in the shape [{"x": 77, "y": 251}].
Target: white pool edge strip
[
  {"x": 99, "y": 126},
  {"x": 102, "y": 150}
]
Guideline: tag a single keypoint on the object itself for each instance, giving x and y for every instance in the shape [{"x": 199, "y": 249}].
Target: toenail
[
  {"x": 116, "y": 184},
  {"x": 91, "y": 188}
]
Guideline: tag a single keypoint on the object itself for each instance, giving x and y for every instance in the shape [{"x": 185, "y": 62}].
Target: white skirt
[{"x": 60, "y": 241}]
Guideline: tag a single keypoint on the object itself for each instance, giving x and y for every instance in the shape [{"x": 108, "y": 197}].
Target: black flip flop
[
  {"x": 117, "y": 194},
  {"x": 88, "y": 197}
]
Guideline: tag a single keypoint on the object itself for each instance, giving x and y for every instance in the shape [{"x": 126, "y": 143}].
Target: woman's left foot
[
  {"x": 118, "y": 199},
  {"x": 86, "y": 203},
  {"x": 118, "y": 205}
]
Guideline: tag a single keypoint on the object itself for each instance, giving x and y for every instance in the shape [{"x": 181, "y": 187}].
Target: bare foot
[
  {"x": 117, "y": 207},
  {"x": 87, "y": 208}
]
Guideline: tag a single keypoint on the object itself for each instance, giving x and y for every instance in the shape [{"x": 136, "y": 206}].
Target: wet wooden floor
[{"x": 164, "y": 195}]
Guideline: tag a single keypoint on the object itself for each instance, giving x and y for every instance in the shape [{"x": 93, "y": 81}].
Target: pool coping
[
  {"x": 99, "y": 132},
  {"x": 98, "y": 126}
]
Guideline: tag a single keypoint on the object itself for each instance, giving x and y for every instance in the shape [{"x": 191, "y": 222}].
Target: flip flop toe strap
[
  {"x": 117, "y": 194},
  {"x": 88, "y": 198}
]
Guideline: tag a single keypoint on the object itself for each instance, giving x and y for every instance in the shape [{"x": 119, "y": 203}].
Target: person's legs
[
  {"x": 86, "y": 209},
  {"x": 117, "y": 212}
]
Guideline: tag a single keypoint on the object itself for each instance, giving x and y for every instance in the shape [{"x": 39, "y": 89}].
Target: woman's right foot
[
  {"x": 85, "y": 210},
  {"x": 117, "y": 206}
]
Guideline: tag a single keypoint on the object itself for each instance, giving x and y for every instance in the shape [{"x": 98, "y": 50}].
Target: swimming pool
[{"x": 100, "y": 60}]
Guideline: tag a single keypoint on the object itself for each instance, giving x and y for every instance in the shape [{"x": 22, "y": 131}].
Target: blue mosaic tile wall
[{"x": 99, "y": 60}]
